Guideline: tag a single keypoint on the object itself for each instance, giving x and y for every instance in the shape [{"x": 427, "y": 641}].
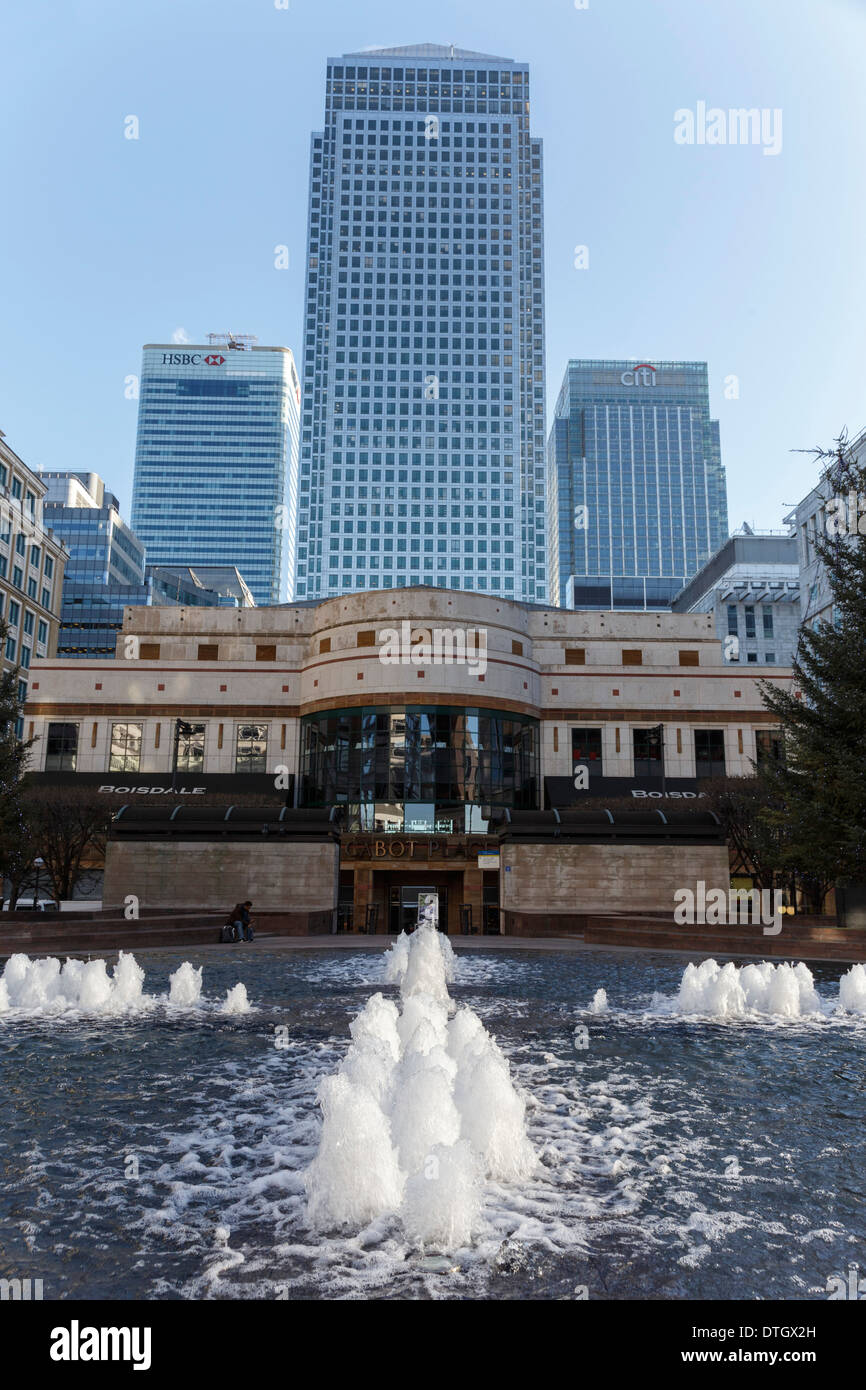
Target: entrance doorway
[{"x": 404, "y": 907}]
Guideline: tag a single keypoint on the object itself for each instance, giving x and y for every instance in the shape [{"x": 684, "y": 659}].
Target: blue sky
[{"x": 752, "y": 262}]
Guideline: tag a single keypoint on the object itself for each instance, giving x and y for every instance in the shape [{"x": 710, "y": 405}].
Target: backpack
[{"x": 227, "y": 934}]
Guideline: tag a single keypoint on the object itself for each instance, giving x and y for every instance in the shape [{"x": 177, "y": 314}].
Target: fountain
[{"x": 422, "y": 1110}]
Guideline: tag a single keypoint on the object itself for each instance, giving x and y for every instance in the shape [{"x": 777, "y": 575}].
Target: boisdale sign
[
  {"x": 562, "y": 792},
  {"x": 159, "y": 784}
]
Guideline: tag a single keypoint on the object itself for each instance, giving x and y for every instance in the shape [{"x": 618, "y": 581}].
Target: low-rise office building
[
  {"x": 751, "y": 585},
  {"x": 421, "y": 714}
]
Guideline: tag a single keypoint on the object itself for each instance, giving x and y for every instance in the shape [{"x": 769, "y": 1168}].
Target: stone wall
[
  {"x": 552, "y": 886},
  {"x": 294, "y": 879}
]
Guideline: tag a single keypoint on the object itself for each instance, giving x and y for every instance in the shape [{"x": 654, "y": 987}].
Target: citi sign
[
  {"x": 642, "y": 375},
  {"x": 191, "y": 359}
]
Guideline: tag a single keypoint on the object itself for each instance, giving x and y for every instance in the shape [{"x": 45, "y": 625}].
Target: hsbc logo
[
  {"x": 642, "y": 375},
  {"x": 191, "y": 359}
]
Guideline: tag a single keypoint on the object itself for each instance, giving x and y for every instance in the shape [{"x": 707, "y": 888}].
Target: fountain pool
[{"x": 691, "y": 1138}]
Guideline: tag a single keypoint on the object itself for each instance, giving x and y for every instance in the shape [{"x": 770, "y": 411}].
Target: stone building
[
  {"x": 32, "y": 560},
  {"x": 423, "y": 715}
]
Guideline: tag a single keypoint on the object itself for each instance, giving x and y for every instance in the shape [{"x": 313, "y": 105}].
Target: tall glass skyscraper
[
  {"x": 422, "y": 448},
  {"x": 216, "y": 460},
  {"x": 636, "y": 488}
]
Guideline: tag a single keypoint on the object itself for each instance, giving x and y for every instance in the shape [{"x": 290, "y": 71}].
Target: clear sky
[{"x": 753, "y": 262}]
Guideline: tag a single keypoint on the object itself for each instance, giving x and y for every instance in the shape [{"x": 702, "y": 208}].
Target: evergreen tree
[{"x": 817, "y": 793}]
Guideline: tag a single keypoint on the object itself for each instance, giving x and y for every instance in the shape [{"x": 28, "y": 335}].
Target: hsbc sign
[
  {"x": 642, "y": 375},
  {"x": 192, "y": 359}
]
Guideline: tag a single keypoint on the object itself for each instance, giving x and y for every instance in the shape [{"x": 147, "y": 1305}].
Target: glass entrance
[{"x": 408, "y": 909}]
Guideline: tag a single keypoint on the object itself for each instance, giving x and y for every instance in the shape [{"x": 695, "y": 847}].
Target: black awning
[{"x": 560, "y": 791}]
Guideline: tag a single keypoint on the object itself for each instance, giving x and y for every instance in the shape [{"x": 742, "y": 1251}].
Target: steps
[
  {"x": 795, "y": 942},
  {"x": 58, "y": 932}
]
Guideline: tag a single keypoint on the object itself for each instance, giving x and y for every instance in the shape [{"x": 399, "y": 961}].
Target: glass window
[
  {"x": 647, "y": 749},
  {"x": 189, "y": 747},
  {"x": 769, "y": 744},
  {"x": 61, "y": 747},
  {"x": 732, "y": 620},
  {"x": 586, "y": 751},
  {"x": 750, "y": 620},
  {"x": 386, "y": 762},
  {"x": 125, "y": 754},
  {"x": 251, "y": 753},
  {"x": 710, "y": 752},
  {"x": 767, "y": 615}
]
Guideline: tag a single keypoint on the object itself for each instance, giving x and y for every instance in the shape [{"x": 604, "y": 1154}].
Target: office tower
[
  {"x": 216, "y": 459},
  {"x": 636, "y": 488},
  {"x": 422, "y": 449},
  {"x": 106, "y": 570}
]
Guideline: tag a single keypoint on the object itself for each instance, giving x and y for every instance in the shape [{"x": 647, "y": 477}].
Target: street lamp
[
  {"x": 36, "y": 864},
  {"x": 181, "y": 727},
  {"x": 660, "y": 730}
]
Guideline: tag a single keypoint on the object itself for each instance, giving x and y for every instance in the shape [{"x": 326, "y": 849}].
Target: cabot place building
[{"x": 423, "y": 740}]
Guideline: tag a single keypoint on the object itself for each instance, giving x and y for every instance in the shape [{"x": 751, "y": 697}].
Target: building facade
[
  {"x": 216, "y": 460},
  {"x": 32, "y": 562},
  {"x": 418, "y": 713},
  {"x": 422, "y": 451},
  {"x": 106, "y": 570},
  {"x": 106, "y": 565},
  {"x": 822, "y": 514},
  {"x": 752, "y": 587},
  {"x": 636, "y": 490}
]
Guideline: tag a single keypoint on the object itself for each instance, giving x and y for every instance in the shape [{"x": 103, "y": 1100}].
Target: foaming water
[
  {"x": 421, "y": 1111},
  {"x": 680, "y": 1156},
  {"x": 45, "y": 988},
  {"x": 782, "y": 991}
]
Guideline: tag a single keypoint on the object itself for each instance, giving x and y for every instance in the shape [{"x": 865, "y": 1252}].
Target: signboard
[
  {"x": 561, "y": 791},
  {"x": 488, "y": 861},
  {"x": 409, "y": 847},
  {"x": 158, "y": 784}
]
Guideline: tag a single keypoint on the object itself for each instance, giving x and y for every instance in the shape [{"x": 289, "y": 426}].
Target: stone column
[
  {"x": 363, "y": 894},
  {"x": 473, "y": 880}
]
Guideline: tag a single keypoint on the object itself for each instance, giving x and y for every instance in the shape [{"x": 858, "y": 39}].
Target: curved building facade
[{"x": 419, "y": 713}]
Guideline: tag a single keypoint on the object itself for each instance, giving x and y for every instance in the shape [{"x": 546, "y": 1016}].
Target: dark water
[{"x": 162, "y": 1156}]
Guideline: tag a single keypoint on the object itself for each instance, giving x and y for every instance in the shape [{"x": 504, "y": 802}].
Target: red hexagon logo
[{"x": 214, "y": 359}]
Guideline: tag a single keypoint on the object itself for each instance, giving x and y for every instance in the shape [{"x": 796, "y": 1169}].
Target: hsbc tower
[
  {"x": 216, "y": 459},
  {"x": 636, "y": 490}
]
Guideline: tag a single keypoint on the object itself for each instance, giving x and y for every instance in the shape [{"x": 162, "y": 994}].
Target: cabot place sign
[
  {"x": 642, "y": 375},
  {"x": 430, "y": 847}
]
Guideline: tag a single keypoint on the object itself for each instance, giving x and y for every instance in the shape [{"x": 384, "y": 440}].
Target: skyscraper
[
  {"x": 216, "y": 460},
  {"x": 422, "y": 448},
  {"x": 636, "y": 488}
]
